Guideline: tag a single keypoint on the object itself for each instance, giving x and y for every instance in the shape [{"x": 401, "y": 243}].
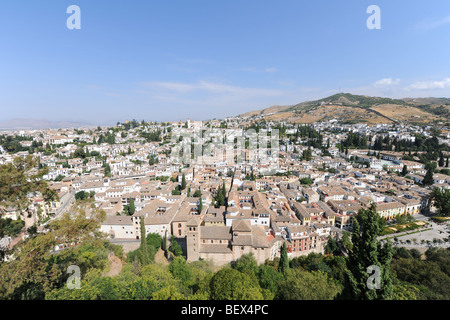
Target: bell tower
[{"x": 193, "y": 240}]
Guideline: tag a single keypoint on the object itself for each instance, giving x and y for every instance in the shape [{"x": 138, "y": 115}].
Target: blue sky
[{"x": 203, "y": 59}]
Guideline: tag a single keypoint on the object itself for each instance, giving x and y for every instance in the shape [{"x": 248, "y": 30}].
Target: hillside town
[{"x": 253, "y": 188}]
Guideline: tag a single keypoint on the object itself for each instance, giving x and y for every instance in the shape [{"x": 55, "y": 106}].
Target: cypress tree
[
  {"x": 428, "y": 180},
  {"x": 131, "y": 207},
  {"x": 284, "y": 260},
  {"x": 200, "y": 205},
  {"x": 441, "y": 160},
  {"x": 164, "y": 242},
  {"x": 220, "y": 201},
  {"x": 143, "y": 250},
  {"x": 369, "y": 255},
  {"x": 405, "y": 170},
  {"x": 224, "y": 193},
  {"x": 183, "y": 182}
]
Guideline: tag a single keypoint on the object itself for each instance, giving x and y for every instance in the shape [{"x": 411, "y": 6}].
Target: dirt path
[
  {"x": 116, "y": 265},
  {"x": 160, "y": 258}
]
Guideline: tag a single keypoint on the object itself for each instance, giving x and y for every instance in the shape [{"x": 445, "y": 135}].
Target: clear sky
[{"x": 202, "y": 59}]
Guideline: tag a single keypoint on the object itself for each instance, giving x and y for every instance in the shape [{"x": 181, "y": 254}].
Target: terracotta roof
[
  {"x": 215, "y": 232},
  {"x": 241, "y": 226},
  {"x": 194, "y": 222},
  {"x": 118, "y": 220}
]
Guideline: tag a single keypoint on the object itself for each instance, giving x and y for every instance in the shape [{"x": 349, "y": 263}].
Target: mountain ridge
[
  {"x": 359, "y": 108},
  {"x": 35, "y": 124}
]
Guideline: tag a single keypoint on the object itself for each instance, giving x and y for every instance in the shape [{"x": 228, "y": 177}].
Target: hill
[
  {"x": 351, "y": 108},
  {"x": 34, "y": 124}
]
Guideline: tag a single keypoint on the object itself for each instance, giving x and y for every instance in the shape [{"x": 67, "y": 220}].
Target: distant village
[{"x": 223, "y": 208}]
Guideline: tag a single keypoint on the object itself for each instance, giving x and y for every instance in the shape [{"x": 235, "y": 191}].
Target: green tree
[
  {"x": 200, "y": 205},
  {"x": 131, "y": 207},
  {"x": 164, "y": 242},
  {"x": 126, "y": 210},
  {"x": 19, "y": 179},
  {"x": 175, "y": 247},
  {"x": 230, "y": 284},
  {"x": 144, "y": 256},
  {"x": 440, "y": 197},
  {"x": 107, "y": 170},
  {"x": 9, "y": 227},
  {"x": 36, "y": 270},
  {"x": 441, "y": 160},
  {"x": 306, "y": 181},
  {"x": 332, "y": 246},
  {"x": 269, "y": 278},
  {"x": 404, "y": 170},
  {"x": 220, "y": 196},
  {"x": 430, "y": 276},
  {"x": 368, "y": 253},
  {"x": 428, "y": 180},
  {"x": 107, "y": 289},
  {"x": 246, "y": 264},
  {"x": 183, "y": 182},
  {"x": 181, "y": 270},
  {"x": 405, "y": 292},
  {"x": 80, "y": 153},
  {"x": 154, "y": 240},
  {"x": 305, "y": 285},
  {"x": 284, "y": 260},
  {"x": 346, "y": 241},
  {"x": 81, "y": 195}
]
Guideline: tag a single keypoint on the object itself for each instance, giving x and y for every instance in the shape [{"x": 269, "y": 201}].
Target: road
[
  {"x": 423, "y": 238},
  {"x": 64, "y": 206}
]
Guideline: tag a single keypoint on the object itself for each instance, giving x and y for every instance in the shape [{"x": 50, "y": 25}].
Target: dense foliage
[
  {"x": 315, "y": 276},
  {"x": 19, "y": 179}
]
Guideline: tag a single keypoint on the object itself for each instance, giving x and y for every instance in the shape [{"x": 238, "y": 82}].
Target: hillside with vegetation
[{"x": 351, "y": 108}]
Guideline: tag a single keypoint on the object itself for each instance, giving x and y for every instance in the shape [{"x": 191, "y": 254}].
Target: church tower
[{"x": 193, "y": 239}]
